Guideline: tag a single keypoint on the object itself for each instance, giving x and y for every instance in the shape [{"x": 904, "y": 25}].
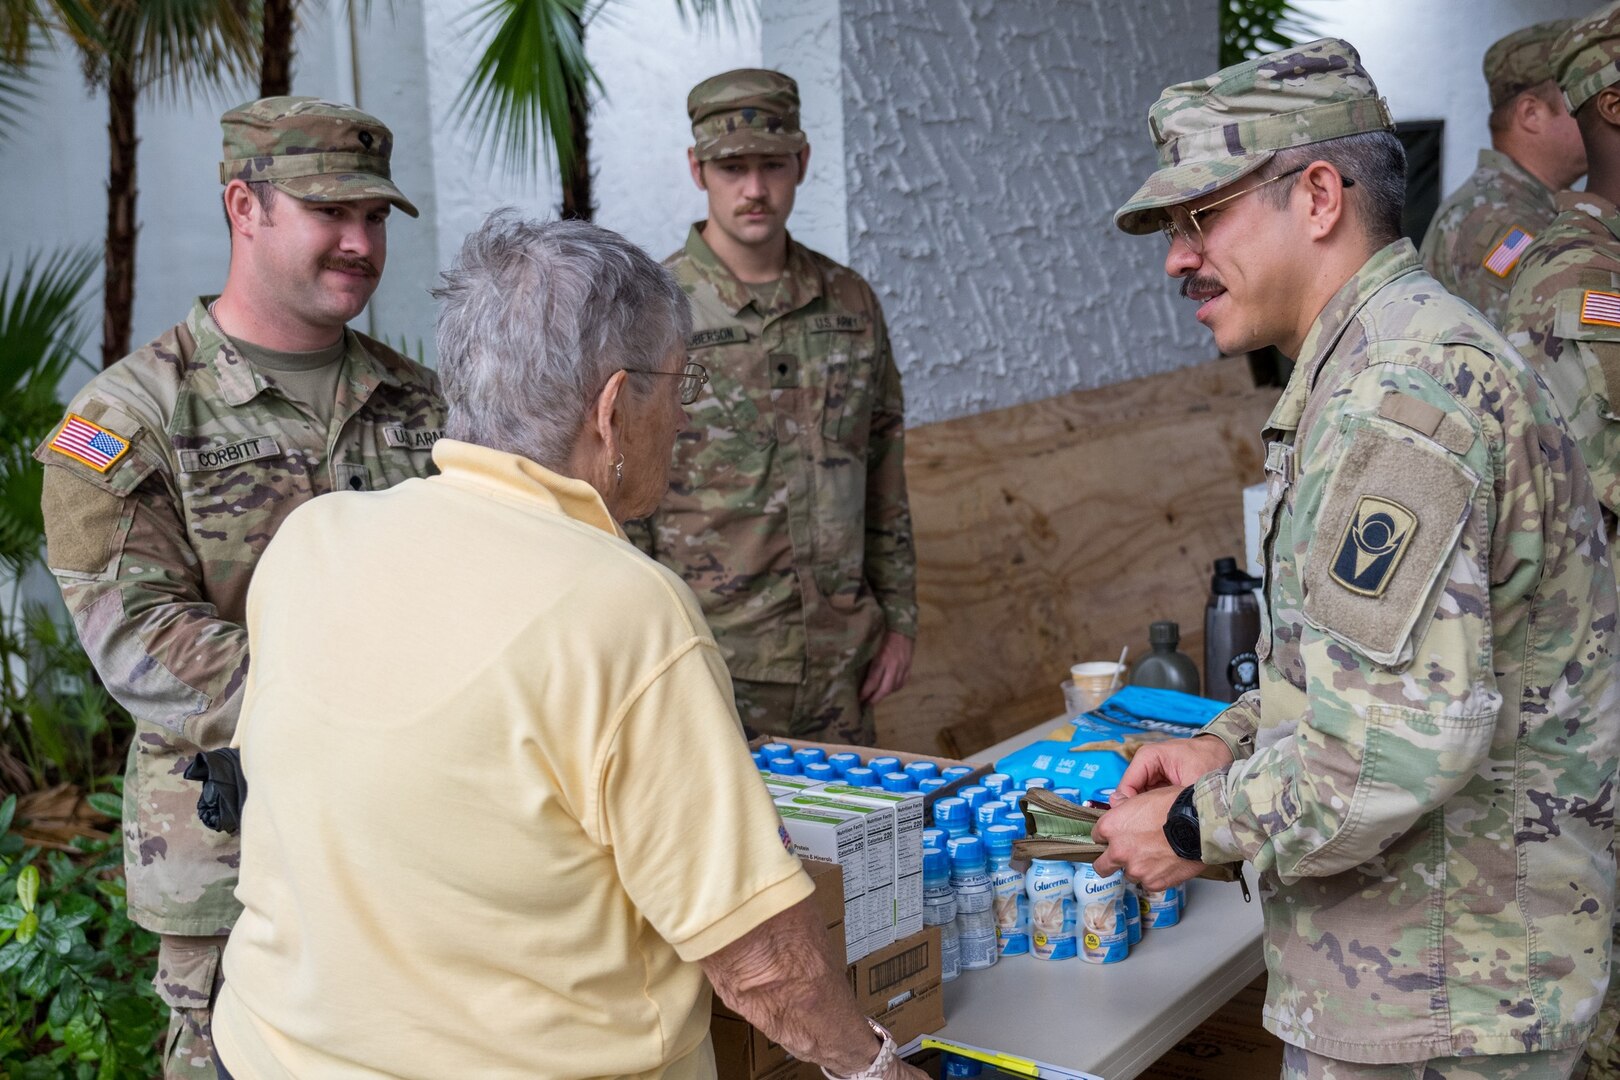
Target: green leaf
[
  {"x": 11, "y": 954},
  {"x": 518, "y": 96},
  {"x": 79, "y": 1036},
  {"x": 28, "y": 887},
  {"x": 27, "y": 928},
  {"x": 103, "y": 803},
  {"x": 8, "y": 810},
  {"x": 38, "y": 976}
]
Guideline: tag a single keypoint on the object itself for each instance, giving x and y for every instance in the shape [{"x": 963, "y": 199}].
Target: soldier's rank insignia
[{"x": 1374, "y": 541}]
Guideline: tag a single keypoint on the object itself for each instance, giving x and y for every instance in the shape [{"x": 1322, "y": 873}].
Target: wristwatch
[
  {"x": 1181, "y": 827},
  {"x": 887, "y": 1056}
]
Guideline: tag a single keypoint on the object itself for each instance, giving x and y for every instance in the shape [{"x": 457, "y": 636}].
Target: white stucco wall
[
  {"x": 967, "y": 158},
  {"x": 988, "y": 144},
  {"x": 1425, "y": 56}
]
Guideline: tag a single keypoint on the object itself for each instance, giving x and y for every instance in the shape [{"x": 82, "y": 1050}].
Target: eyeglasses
[
  {"x": 693, "y": 378},
  {"x": 1182, "y": 224}
]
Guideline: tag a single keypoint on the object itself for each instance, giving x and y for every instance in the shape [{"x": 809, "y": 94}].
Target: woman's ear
[{"x": 608, "y": 418}]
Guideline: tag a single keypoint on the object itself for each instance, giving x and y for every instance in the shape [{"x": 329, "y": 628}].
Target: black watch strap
[{"x": 1181, "y": 827}]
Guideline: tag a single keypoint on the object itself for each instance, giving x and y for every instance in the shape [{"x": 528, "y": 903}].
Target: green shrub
[{"x": 76, "y": 997}]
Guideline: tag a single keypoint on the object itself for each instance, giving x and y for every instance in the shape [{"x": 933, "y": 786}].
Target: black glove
[{"x": 224, "y": 788}]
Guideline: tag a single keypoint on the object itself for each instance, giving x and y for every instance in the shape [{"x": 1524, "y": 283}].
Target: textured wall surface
[
  {"x": 801, "y": 39},
  {"x": 1426, "y": 59},
  {"x": 988, "y": 143}
]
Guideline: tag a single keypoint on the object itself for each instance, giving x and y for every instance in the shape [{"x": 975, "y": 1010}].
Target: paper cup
[{"x": 1090, "y": 684}]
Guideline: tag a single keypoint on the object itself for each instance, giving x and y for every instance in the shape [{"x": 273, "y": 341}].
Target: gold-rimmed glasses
[
  {"x": 1181, "y": 223},
  {"x": 693, "y": 378}
]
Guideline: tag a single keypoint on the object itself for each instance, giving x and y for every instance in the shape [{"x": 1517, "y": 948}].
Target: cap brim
[
  {"x": 1179, "y": 183},
  {"x": 346, "y": 187},
  {"x": 752, "y": 142}
]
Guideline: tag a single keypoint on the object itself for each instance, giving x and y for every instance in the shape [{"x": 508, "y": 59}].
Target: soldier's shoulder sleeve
[
  {"x": 109, "y": 441},
  {"x": 1392, "y": 497}
]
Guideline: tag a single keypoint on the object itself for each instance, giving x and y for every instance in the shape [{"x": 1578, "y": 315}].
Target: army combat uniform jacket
[
  {"x": 1564, "y": 317},
  {"x": 171, "y": 473},
  {"x": 1480, "y": 234},
  {"x": 1425, "y": 778},
  {"x": 787, "y": 511}
]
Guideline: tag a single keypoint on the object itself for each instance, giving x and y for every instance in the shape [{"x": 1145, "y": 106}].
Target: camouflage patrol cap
[
  {"x": 1586, "y": 57},
  {"x": 1521, "y": 60},
  {"x": 747, "y": 111},
  {"x": 311, "y": 149},
  {"x": 1213, "y": 131}
]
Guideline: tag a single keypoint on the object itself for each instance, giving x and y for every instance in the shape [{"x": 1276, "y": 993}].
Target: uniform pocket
[
  {"x": 187, "y": 970},
  {"x": 237, "y": 490}
]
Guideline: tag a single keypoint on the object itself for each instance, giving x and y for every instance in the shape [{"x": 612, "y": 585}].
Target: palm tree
[
  {"x": 127, "y": 48},
  {"x": 529, "y": 93},
  {"x": 1255, "y": 27}
]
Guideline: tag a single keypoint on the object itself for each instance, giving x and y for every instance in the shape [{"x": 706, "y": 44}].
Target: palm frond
[
  {"x": 1252, "y": 28},
  {"x": 712, "y": 14},
  {"x": 42, "y": 335},
  {"x": 179, "y": 47},
  {"x": 16, "y": 90},
  {"x": 517, "y": 97}
]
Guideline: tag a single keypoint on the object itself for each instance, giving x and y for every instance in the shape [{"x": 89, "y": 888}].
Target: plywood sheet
[{"x": 1054, "y": 532}]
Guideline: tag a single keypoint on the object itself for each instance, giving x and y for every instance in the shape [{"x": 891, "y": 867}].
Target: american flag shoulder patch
[
  {"x": 1506, "y": 254},
  {"x": 1600, "y": 308},
  {"x": 88, "y": 442}
]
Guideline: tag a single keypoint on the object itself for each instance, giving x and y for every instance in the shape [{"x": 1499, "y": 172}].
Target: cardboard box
[
  {"x": 741, "y": 1051},
  {"x": 878, "y": 819},
  {"x": 829, "y": 898},
  {"x": 836, "y": 837},
  {"x": 909, "y": 823},
  {"x": 788, "y": 783},
  {"x": 886, "y": 978},
  {"x": 921, "y": 1014},
  {"x": 898, "y": 986}
]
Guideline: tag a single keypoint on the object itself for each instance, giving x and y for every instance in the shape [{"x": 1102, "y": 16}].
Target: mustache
[
  {"x": 362, "y": 266},
  {"x": 1202, "y": 284},
  {"x": 753, "y": 208}
]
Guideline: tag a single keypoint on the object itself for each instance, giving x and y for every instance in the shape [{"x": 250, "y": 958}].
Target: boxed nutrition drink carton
[
  {"x": 837, "y": 837},
  {"x": 878, "y": 824},
  {"x": 909, "y": 823}
]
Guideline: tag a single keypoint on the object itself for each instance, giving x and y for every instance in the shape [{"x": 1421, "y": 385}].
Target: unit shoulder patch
[
  {"x": 1391, "y": 518},
  {"x": 1502, "y": 258},
  {"x": 1376, "y": 536},
  {"x": 88, "y": 442}
]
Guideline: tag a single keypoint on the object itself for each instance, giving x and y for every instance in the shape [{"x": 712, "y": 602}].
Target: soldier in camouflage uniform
[
  {"x": 1480, "y": 233},
  {"x": 1425, "y": 777},
  {"x": 786, "y": 511},
  {"x": 175, "y": 466},
  {"x": 1564, "y": 316},
  {"x": 1564, "y": 312}
]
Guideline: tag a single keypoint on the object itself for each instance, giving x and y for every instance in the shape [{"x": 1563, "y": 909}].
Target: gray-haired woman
[{"x": 502, "y": 820}]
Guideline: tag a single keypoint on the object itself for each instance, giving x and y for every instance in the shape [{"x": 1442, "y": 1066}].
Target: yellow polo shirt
[{"x": 499, "y": 801}]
